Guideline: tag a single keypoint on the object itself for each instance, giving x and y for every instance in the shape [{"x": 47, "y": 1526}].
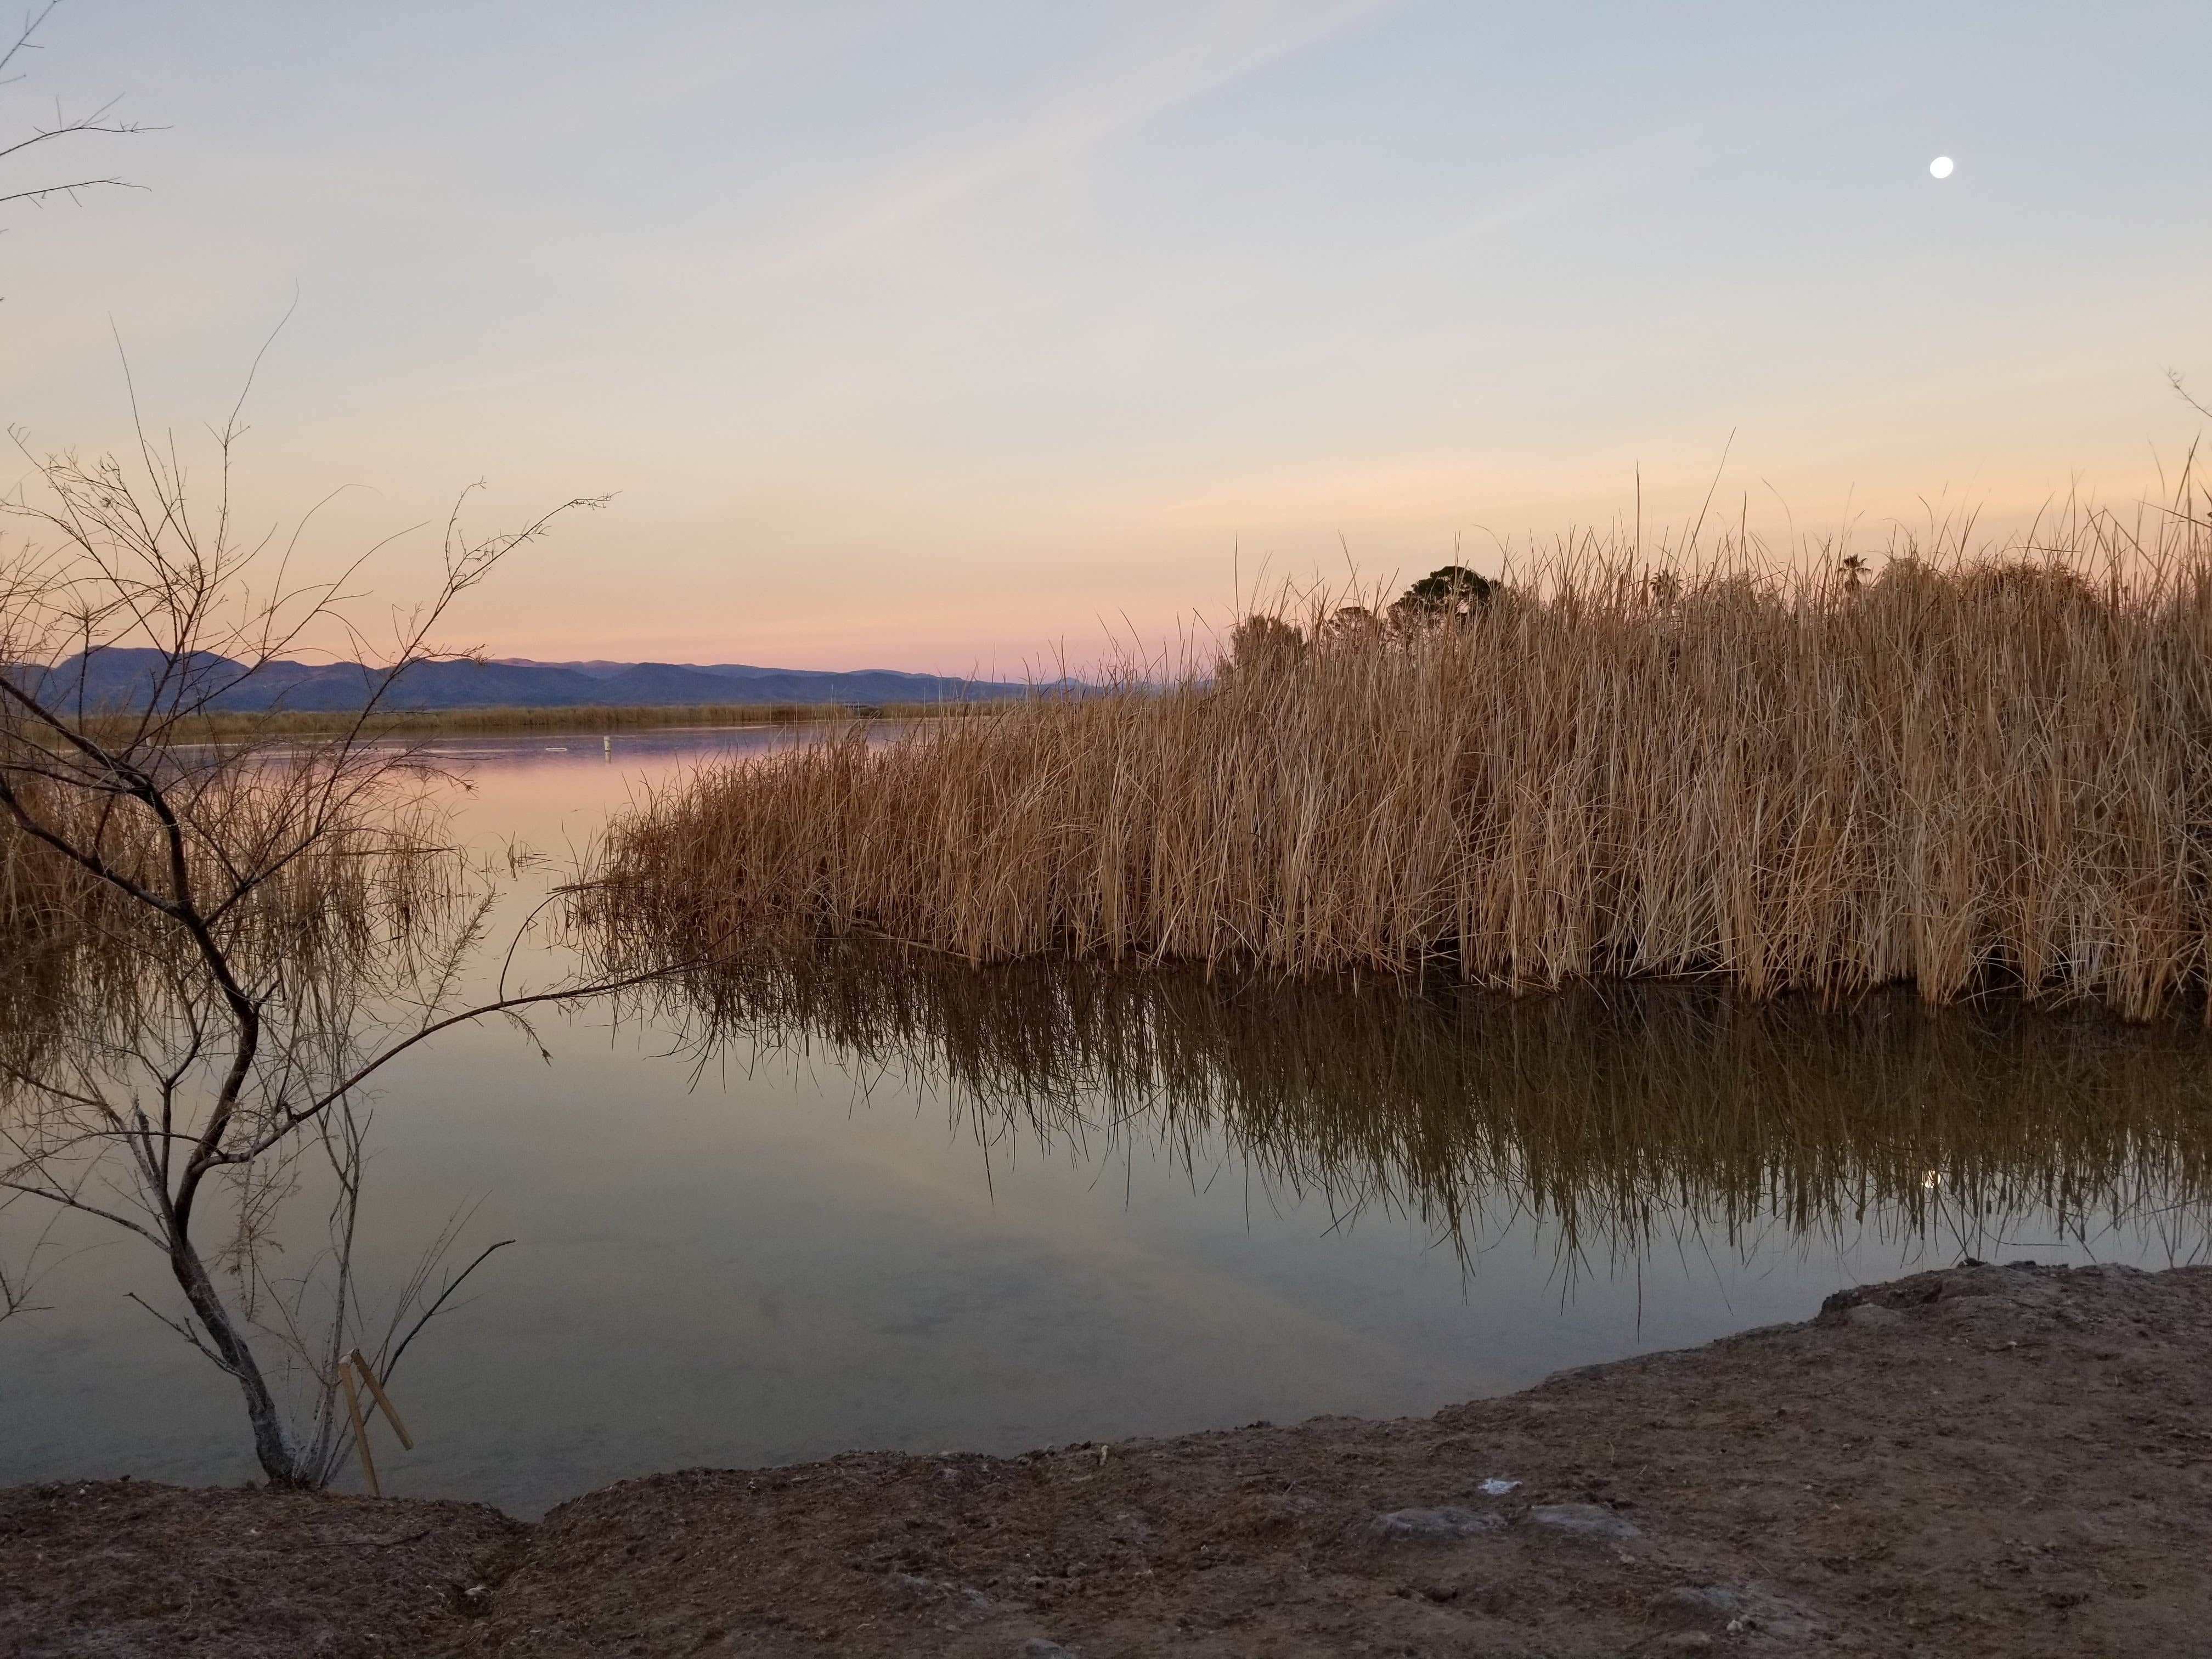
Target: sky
[{"x": 974, "y": 336}]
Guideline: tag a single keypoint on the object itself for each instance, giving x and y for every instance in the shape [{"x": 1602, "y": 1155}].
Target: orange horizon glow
[{"x": 972, "y": 338}]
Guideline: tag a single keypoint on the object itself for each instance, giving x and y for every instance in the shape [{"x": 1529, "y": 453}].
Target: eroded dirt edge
[{"x": 1977, "y": 1460}]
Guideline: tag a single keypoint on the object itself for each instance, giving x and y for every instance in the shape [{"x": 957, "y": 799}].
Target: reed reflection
[{"x": 1618, "y": 1118}]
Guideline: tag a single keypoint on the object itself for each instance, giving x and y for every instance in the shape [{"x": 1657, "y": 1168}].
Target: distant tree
[
  {"x": 1853, "y": 567},
  {"x": 1260, "y": 644},
  {"x": 1907, "y": 575},
  {"x": 1449, "y": 593},
  {"x": 1350, "y": 624},
  {"x": 2050, "y": 587}
]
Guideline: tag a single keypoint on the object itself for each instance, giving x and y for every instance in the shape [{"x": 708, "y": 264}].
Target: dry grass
[
  {"x": 1986, "y": 768},
  {"x": 246, "y": 727},
  {"x": 76, "y": 956}
]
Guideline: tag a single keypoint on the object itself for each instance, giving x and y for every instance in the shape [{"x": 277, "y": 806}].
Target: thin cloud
[{"x": 1218, "y": 54}]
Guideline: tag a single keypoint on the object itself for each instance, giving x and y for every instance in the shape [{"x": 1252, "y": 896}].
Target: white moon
[{"x": 1939, "y": 167}]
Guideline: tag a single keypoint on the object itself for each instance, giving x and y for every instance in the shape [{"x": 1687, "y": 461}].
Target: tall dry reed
[
  {"x": 367, "y": 901},
  {"x": 1983, "y": 767}
]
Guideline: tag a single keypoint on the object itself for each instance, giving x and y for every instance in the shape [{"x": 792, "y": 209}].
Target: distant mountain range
[{"x": 121, "y": 677}]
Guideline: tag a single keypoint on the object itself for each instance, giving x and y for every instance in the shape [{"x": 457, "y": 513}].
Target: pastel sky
[{"x": 941, "y": 336}]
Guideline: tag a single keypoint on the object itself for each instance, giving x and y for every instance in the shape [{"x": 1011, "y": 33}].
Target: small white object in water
[
  {"x": 1495, "y": 1488},
  {"x": 558, "y": 749}
]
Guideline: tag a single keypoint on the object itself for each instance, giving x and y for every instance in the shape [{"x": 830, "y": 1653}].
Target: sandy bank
[{"x": 1981, "y": 1461}]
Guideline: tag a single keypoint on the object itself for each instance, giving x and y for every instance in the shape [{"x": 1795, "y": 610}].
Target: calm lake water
[{"x": 864, "y": 1204}]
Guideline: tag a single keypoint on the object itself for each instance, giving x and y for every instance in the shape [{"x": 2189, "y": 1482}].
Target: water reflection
[{"x": 1613, "y": 1116}]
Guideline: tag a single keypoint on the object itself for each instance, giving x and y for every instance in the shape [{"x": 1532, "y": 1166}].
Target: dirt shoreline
[{"x": 1981, "y": 1461}]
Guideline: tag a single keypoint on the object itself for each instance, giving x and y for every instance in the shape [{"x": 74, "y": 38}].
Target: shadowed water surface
[{"x": 869, "y": 1199}]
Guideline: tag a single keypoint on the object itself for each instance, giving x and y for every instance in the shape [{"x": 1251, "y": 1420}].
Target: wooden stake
[
  {"x": 383, "y": 1400},
  {"x": 360, "y": 1429}
]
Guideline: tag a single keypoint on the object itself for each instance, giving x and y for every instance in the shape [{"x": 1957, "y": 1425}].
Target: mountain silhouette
[{"x": 114, "y": 679}]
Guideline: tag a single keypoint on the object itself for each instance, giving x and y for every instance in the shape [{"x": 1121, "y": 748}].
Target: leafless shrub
[{"x": 208, "y": 953}]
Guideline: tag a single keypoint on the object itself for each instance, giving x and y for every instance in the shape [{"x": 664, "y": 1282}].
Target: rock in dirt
[
  {"x": 1443, "y": 1526},
  {"x": 1038, "y": 1648},
  {"x": 964, "y": 1597},
  {"x": 1873, "y": 1314},
  {"x": 1709, "y": 1607},
  {"x": 1583, "y": 1521}
]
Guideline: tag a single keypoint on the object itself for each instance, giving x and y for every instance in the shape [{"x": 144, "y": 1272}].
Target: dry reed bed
[
  {"x": 1970, "y": 772},
  {"x": 80, "y": 962}
]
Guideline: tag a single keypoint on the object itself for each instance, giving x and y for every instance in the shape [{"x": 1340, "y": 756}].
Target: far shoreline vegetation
[{"x": 257, "y": 725}]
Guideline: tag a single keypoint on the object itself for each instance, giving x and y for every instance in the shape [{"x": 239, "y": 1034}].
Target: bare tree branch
[
  {"x": 223, "y": 947},
  {"x": 61, "y": 129},
  {"x": 2173, "y": 379}
]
